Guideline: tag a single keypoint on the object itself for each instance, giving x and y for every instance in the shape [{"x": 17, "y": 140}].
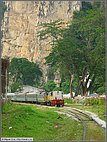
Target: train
[{"x": 48, "y": 98}]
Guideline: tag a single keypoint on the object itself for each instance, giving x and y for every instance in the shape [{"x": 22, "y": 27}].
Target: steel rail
[
  {"x": 86, "y": 115},
  {"x": 73, "y": 112},
  {"x": 78, "y": 117},
  {"x": 104, "y": 130}
]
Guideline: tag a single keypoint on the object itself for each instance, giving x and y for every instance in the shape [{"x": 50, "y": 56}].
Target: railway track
[
  {"x": 83, "y": 118},
  {"x": 91, "y": 119},
  {"x": 80, "y": 116}
]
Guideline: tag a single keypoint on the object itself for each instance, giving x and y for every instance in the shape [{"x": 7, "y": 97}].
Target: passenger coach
[{"x": 48, "y": 98}]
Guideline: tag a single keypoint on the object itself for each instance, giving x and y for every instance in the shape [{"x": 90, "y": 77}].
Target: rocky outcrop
[{"x": 20, "y": 28}]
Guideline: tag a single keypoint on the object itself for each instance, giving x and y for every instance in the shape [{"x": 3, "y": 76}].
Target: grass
[
  {"x": 99, "y": 110},
  {"x": 39, "y": 123},
  {"x": 68, "y": 101},
  {"x": 94, "y": 133}
]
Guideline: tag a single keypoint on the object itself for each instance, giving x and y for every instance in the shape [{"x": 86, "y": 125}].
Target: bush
[
  {"x": 36, "y": 85},
  {"x": 57, "y": 89},
  {"x": 90, "y": 101},
  {"x": 101, "y": 90},
  {"x": 50, "y": 86},
  {"x": 95, "y": 101},
  {"x": 15, "y": 87},
  {"x": 68, "y": 101},
  {"x": 65, "y": 87}
]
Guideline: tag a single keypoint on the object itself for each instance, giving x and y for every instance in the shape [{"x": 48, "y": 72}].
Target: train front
[{"x": 57, "y": 98}]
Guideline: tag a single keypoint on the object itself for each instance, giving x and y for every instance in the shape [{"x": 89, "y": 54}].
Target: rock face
[{"x": 20, "y": 28}]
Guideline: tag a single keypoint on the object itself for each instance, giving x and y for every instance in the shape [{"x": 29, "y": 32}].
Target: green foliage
[
  {"x": 98, "y": 4},
  {"x": 100, "y": 110},
  {"x": 83, "y": 12},
  {"x": 100, "y": 90},
  {"x": 6, "y": 106},
  {"x": 68, "y": 101},
  {"x": 5, "y": 103},
  {"x": 79, "y": 46},
  {"x": 57, "y": 89},
  {"x": 50, "y": 86},
  {"x": 65, "y": 87},
  {"x": 25, "y": 72},
  {"x": 99, "y": 84},
  {"x": 15, "y": 87},
  {"x": 90, "y": 101},
  {"x": 50, "y": 73},
  {"x": 95, "y": 101},
  {"x": 36, "y": 85},
  {"x": 29, "y": 121},
  {"x": 50, "y": 29},
  {"x": 4, "y": 7}
]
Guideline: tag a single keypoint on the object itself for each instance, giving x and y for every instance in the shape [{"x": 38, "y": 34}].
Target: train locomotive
[{"x": 47, "y": 98}]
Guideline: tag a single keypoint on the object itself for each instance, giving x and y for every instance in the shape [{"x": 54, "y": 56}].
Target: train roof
[{"x": 8, "y": 94}]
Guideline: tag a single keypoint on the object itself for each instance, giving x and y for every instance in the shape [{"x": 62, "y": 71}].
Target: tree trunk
[
  {"x": 72, "y": 79},
  {"x": 86, "y": 90},
  {"x": 92, "y": 81},
  {"x": 78, "y": 87},
  {"x": 82, "y": 89},
  {"x": 80, "y": 82}
]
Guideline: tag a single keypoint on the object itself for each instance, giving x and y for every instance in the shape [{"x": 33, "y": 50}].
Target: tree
[
  {"x": 57, "y": 32},
  {"x": 50, "y": 86},
  {"x": 3, "y": 9},
  {"x": 92, "y": 31},
  {"x": 50, "y": 29},
  {"x": 79, "y": 49},
  {"x": 15, "y": 87},
  {"x": 25, "y": 72},
  {"x": 65, "y": 87},
  {"x": 57, "y": 89}
]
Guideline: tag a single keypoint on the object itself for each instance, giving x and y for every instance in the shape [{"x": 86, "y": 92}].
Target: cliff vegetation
[{"x": 78, "y": 51}]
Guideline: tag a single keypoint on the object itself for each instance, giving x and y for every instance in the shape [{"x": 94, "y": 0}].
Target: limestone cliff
[{"x": 20, "y": 27}]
